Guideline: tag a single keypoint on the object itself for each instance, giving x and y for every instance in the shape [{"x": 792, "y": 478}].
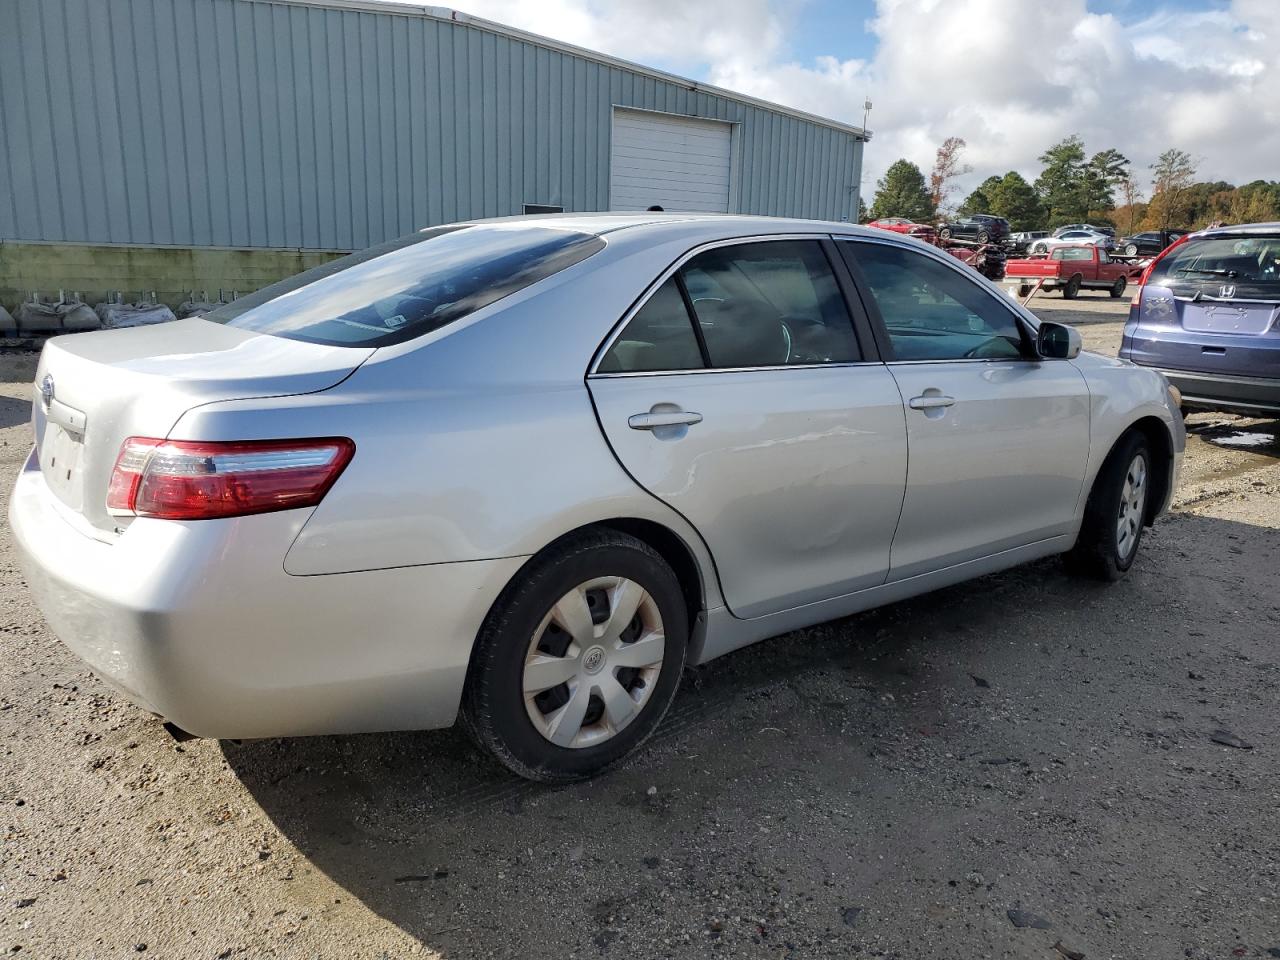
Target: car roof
[
  {"x": 1244, "y": 228},
  {"x": 710, "y": 224}
]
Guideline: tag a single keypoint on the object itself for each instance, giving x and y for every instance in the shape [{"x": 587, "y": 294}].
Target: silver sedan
[{"x": 522, "y": 472}]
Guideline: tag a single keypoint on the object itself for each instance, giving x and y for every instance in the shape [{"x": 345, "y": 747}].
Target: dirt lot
[{"x": 891, "y": 785}]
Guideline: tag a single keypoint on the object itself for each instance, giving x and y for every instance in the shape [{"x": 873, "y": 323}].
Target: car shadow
[
  {"x": 14, "y": 412},
  {"x": 831, "y": 766}
]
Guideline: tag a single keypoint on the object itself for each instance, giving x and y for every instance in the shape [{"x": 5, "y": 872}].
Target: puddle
[{"x": 1245, "y": 438}]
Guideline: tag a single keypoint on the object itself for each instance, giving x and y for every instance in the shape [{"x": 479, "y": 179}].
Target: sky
[{"x": 1011, "y": 77}]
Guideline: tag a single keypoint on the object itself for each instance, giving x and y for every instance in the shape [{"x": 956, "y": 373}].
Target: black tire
[
  {"x": 494, "y": 712},
  {"x": 944, "y": 233},
  {"x": 1072, "y": 289},
  {"x": 1098, "y": 553},
  {"x": 1040, "y": 248},
  {"x": 1117, "y": 288},
  {"x": 1023, "y": 291},
  {"x": 983, "y": 237},
  {"x": 1131, "y": 250}
]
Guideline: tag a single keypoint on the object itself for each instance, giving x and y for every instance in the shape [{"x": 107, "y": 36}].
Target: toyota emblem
[{"x": 46, "y": 390}]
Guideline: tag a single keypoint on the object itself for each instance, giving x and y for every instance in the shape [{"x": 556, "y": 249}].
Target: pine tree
[{"x": 901, "y": 192}]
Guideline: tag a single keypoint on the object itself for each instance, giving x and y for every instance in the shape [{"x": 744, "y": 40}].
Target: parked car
[
  {"x": 1206, "y": 315},
  {"x": 522, "y": 472},
  {"x": 1072, "y": 227},
  {"x": 921, "y": 231},
  {"x": 1070, "y": 269},
  {"x": 1021, "y": 241},
  {"x": 1149, "y": 243},
  {"x": 1073, "y": 238},
  {"x": 980, "y": 227}
]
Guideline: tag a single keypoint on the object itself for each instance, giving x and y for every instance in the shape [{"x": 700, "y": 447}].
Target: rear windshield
[
  {"x": 408, "y": 287},
  {"x": 1241, "y": 267},
  {"x": 1072, "y": 253}
]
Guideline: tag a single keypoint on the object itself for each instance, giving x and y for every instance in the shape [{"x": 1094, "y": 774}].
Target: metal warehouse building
[{"x": 178, "y": 144}]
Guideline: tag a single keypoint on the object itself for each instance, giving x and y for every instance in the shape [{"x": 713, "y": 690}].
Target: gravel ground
[{"x": 914, "y": 782}]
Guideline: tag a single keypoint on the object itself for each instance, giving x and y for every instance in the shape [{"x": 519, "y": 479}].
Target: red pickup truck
[{"x": 1069, "y": 268}]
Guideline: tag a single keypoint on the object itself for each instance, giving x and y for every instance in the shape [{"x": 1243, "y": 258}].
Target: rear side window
[
  {"x": 410, "y": 286},
  {"x": 770, "y": 304},
  {"x": 659, "y": 337},
  {"x": 760, "y": 304},
  {"x": 932, "y": 312},
  {"x": 1245, "y": 267}
]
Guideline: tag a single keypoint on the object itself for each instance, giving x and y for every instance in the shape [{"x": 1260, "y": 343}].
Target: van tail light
[
  {"x": 1142, "y": 280},
  {"x": 200, "y": 480}
]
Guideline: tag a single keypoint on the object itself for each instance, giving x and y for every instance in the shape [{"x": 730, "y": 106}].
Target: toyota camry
[{"x": 520, "y": 473}]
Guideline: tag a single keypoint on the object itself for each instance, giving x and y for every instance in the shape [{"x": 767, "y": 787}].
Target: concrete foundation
[{"x": 170, "y": 271}]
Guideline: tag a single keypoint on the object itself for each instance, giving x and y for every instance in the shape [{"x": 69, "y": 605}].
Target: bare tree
[
  {"x": 1132, "y": 195},
  {"x": 1171, "y": 174},
  {"x": 946, "y": 167}
]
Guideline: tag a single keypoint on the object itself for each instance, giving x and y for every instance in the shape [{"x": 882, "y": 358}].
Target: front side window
[
  {"x": 408, "y": 287},
  {"x": 760, "y": 304},
  {"x": 1072, "y": 253},
  {"x": 932, "y": 312}
]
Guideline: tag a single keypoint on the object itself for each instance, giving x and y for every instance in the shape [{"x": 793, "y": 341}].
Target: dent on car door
[
  {"x": 998, "y": 439},
  {"x": 739, "y": 394}
]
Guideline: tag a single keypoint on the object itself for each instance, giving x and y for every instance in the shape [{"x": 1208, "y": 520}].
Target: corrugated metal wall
[{"x": 250, "y": 123}]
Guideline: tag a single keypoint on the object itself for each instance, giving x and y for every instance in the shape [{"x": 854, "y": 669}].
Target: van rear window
[
  {"x": 1240, "y": 267},
  {"x": 408, "y": 287}
]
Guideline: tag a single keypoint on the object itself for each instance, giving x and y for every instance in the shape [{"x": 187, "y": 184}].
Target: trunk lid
[{"x": 92, "y": 390}]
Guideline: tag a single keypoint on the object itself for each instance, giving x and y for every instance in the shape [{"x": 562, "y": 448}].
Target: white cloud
[{"x": 1010, "y": 78}]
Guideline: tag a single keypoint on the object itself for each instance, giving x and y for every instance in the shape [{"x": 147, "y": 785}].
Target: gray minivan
[{"x": 1208, "y": 316}]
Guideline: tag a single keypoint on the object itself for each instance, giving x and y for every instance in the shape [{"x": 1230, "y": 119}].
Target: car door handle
[
  {"x": 930, "y": 402},
  {"x": 672, "y": 418}
]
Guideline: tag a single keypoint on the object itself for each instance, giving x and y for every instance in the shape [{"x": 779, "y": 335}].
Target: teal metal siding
[{"x": 261, "y": 123}]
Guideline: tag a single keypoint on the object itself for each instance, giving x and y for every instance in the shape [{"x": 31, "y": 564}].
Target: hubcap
[
  {"x": 593, "y": 662},
  {"x": 1133, "y": 502}
]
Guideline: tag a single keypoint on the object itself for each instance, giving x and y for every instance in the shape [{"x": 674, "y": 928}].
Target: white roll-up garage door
[{"x": 678, "y": 163}]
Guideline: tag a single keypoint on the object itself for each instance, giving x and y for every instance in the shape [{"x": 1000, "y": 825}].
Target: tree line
[{"x": 1074, "y": 187}]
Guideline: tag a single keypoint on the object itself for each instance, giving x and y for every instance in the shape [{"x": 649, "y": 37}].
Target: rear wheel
[
  {"x": 1117, "y": 288},
  {"x": 1072, "y": 289},
  {"x": 1131, "y": 250},
  {"x": 579, "y": 659},
  {"x": 1040, "y": 248},
  {"x": 983, "y": 237},
  {"x": 1115, "y": 514}
]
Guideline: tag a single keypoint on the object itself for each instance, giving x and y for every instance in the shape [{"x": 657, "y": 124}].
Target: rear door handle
[
  {"x": 673, "y": 418},
  {"x": 930, "y": 402}
]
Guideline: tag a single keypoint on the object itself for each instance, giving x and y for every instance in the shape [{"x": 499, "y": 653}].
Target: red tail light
[
  {"x": 1142, "y": 280},
  {"x": 198, "y": 480}
]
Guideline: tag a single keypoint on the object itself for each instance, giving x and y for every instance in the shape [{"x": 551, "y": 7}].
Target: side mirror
[{"x": 1057, "y": 341}]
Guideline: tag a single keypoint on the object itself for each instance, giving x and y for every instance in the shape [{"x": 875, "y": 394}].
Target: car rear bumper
[
  {"x": 1219, "y": 391},
  {"x": 199, "y": 623}
]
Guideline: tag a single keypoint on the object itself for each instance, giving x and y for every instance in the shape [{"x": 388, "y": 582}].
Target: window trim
[
  {"x": 868, "y": 351},
  {"x": 881, "y": 329}
]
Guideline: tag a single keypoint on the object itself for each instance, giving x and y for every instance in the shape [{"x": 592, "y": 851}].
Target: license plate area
[
  {"x": 61, "y": 455},
  {"x": 1232, "y": 318}
]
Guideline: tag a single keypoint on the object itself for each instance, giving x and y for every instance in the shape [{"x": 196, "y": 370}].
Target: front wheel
[
  {"x": 579, "y": 659},
  {"x": 1115, "y": 514},
  {"x": 1040, "y": 248},
  {"x": 1117, "y": 288},
  {"x": 944, "y": 233},
  {"x": 1131, "y": 250}
]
